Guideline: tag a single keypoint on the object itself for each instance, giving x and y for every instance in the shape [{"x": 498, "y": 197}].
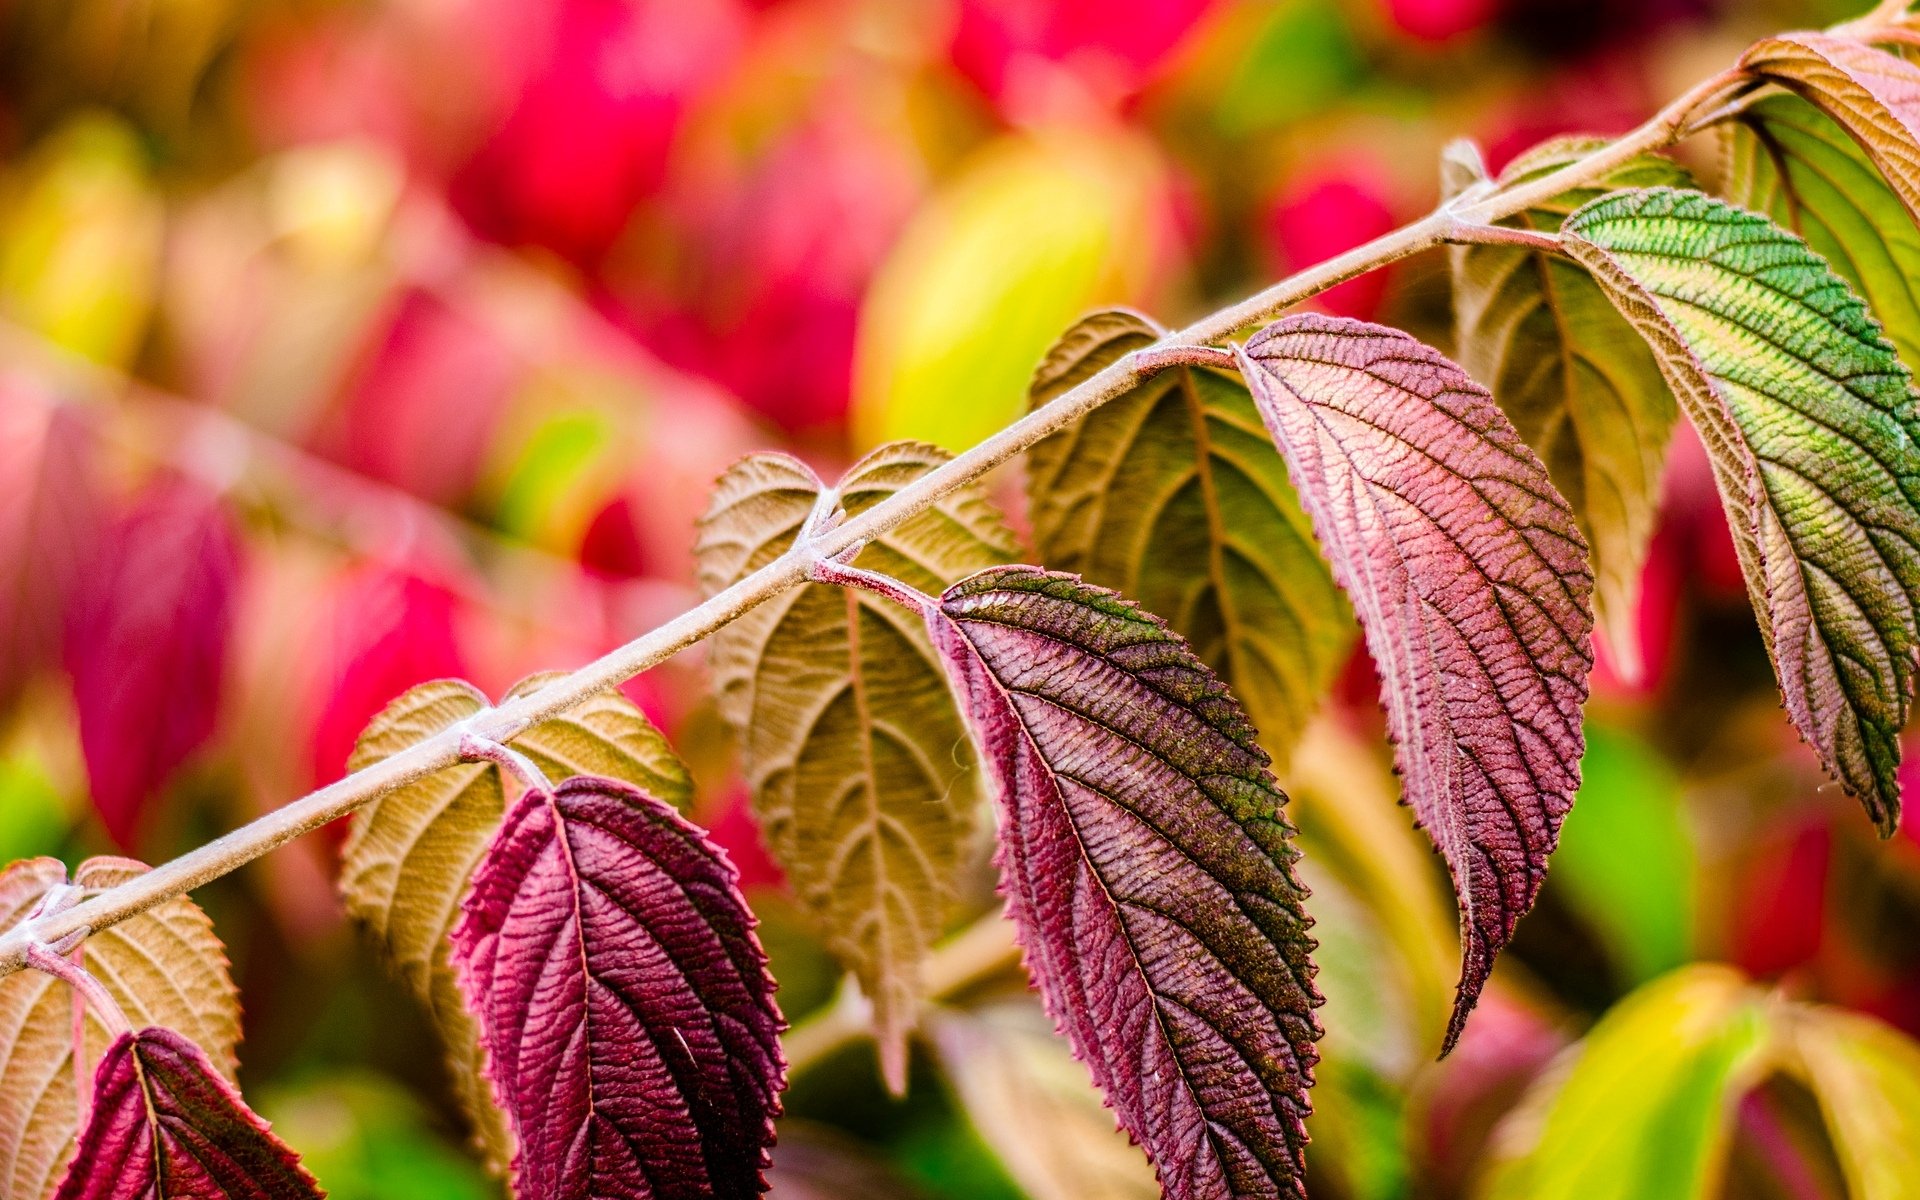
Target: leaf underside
[
  {"x": 1171, "y": 495},
  {"x": 1470, "y": 579},
  {"x": 623, "y": 999},
  {"x": 409, "y": 854},
  {"x": 165, "y": 967},
  {"x": 1579, "y": 386},
  {"x": 859, "y": 766},
  {"x": 1148, "y": 871},
  {"x": 1808, "y": 419},
  {"x": 167, "y": 1126}
]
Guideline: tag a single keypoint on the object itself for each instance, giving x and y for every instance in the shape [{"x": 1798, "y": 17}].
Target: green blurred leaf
[
  {"x": 1299, "y": 61},
  {"x": 1644, "y": 1109},
  {"x": 1627, "y": 858},
  {"x": 366, "y": 1138},
  {"x": 1867, "y": 1078},
  {"x": 1034, "y": 231},
  {"x": 33, "y": 816}
]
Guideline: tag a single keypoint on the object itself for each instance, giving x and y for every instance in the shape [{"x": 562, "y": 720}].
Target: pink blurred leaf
[
  {"x": 50, "y": 518},
  {"x": 166, "y": 1126},
  {"x": 1147, "y": 868},
  {"x": 1113, "y": 47},
  {"x": 146, "y": 644},
  {"x": 623, "y": 999},
  {"x": 1317, "y": 217},
  {"x": 1471, "y": 583}
]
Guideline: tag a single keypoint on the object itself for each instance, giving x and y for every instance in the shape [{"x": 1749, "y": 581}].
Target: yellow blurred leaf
[
  {"x": 1867, "y": 1078},
  {"x": 1035, "y": 230}
]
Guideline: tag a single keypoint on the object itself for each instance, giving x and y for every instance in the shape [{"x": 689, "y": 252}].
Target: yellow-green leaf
[
  {"x": 1867, "y": 1078},
  {"x": 410, "y": 854},
  {"x": 1582, "y": 390},
  {"x": 861, "y": 773},
  {"x": 1790, "y": 161},
  {"x": 165, "y": 967},
  {"x": 1645, "y": 1108},
  {"x": 1034, "y": 1106},
  {"x": 1172, "y": 495}
]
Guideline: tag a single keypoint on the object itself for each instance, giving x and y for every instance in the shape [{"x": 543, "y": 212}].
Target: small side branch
[
  {"x": 1473, "y": 233},
  {"x": 53, "y": 961},
  {"x": 1159, "y": 358},
  {"x": 474, "y": 748}
]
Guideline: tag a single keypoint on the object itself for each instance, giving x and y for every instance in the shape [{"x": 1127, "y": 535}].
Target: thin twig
[{"x": 789, "y": 570}]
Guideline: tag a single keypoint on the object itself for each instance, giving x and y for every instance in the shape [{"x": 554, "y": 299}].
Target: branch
[{"x": 790, "y": 570}]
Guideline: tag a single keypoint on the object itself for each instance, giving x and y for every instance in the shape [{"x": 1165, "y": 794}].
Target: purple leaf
[
  {"x": 1472, "y": 585},
  {"x": 51, "y": 515},
  {"x": 1147, "y": 868},
  {"x": 147, "y": 644},
  {"x": 166, "y": 1126},
  {"x": 623, "y": 999}
]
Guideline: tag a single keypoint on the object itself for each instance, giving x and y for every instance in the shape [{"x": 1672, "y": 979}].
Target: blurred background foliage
[{"x": 352, "y": 343}]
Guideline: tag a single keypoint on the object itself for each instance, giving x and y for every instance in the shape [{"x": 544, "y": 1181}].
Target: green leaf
[
  {"x": 1626, "y": 857},
  {"x": 1808, "y": 420},
  {"x": 1172, "y": 495},
  {"x": 1582, "y": 390},
  {"x": 860, "y": 770},
  {"x": 1644, "y": 1109},
  {"x": 1867, "y": 1078},
  {"x": 1791, "y": 162}
]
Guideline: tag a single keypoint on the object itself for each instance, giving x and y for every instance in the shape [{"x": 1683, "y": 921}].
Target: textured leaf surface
[
  {"x": 1171, "y": 495},
  {"x": 1582, "y": 390},
  {"x": 50, "y": 518},
  {"x": 147, "y": 644},
  {"x": 1867, "y": 1078},
  {"x": 1788, "y": 160},
  {"x": 1645, "y": 1108},
  {"x": 1808, "y": 419},
  {"x": 1471, "y": 583},
  {"x": 165, "y": 967},
  {"x": 1148, "y": 872},
  {"x": 410, "y": 854},
  {"x": 624, "y": 1001},
  {"x": 167, "y": 1126},
  {"x": 1032, "y": 1104},
  {"x": 858, "y": 762}
]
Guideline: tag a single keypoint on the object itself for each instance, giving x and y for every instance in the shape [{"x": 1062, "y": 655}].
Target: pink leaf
[
  {"x": 1471, "y": 583},
  {"x": 1147, "y": 867},
  {"x": 51, "y": 515},
  {"x": 623, "y": 999},
  {"x": 166, "y": 1126},
  {"x": 147, "y": 644}
]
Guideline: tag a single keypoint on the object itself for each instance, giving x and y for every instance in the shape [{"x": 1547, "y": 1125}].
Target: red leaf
[
  {"x": 1471, "y": 583},
  {"x": 1147, "y": 868},
  {"x": 147, "y": 644},
  {"x": 623, "y": 999},
  {"x": 166, "y": 1126},
  {"x": 50, "y": 516}
]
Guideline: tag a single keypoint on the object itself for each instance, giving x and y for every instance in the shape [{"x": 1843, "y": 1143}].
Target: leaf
[
  {"x": 1031, "y": 232},
  {"x": 1471, "y": 583},
  {"x": 1787, "y": 160},
  {"x": 1171, "y": 494},
  {"x": 164, "y": 967},
  {"x": 1808, "y": 420},
  {"x": 51, "y": 518},
  {"x": 167, "y": 1126},
  {"x": 1867, "y": 1078},
  {"x": 1645, "y": 1108},
  {"x": 146, "y": 644},
  {"x": 858, "y": 762},
  {"x": 1147, "y": 869},
  {"x": 623, "y": 998},
  {"x": 410, "y": 854},
  {"x": 1032, "y": 1105},
  {"x": 1579, "y": 387}
]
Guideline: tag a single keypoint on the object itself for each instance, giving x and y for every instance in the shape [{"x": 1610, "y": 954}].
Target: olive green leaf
[
  {"x": 1582, "y": 390},
  {"x": 1808, "y": 419},
  {"x": 165, "y": 967},
  {"x": 861, "y": 773},
  {"x": 1867, "y": 1078},
  {"x": 410, "y": 854},
  {"x": 1172, "y": 495},
  {"x": 1787, "y": 159}
]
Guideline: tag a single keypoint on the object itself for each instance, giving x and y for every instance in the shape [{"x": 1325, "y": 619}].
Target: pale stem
[
  {"x": 474, "y": 748},
  {"x": 789, "y": 570},
  {"x": 1463, "y": 233}
]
